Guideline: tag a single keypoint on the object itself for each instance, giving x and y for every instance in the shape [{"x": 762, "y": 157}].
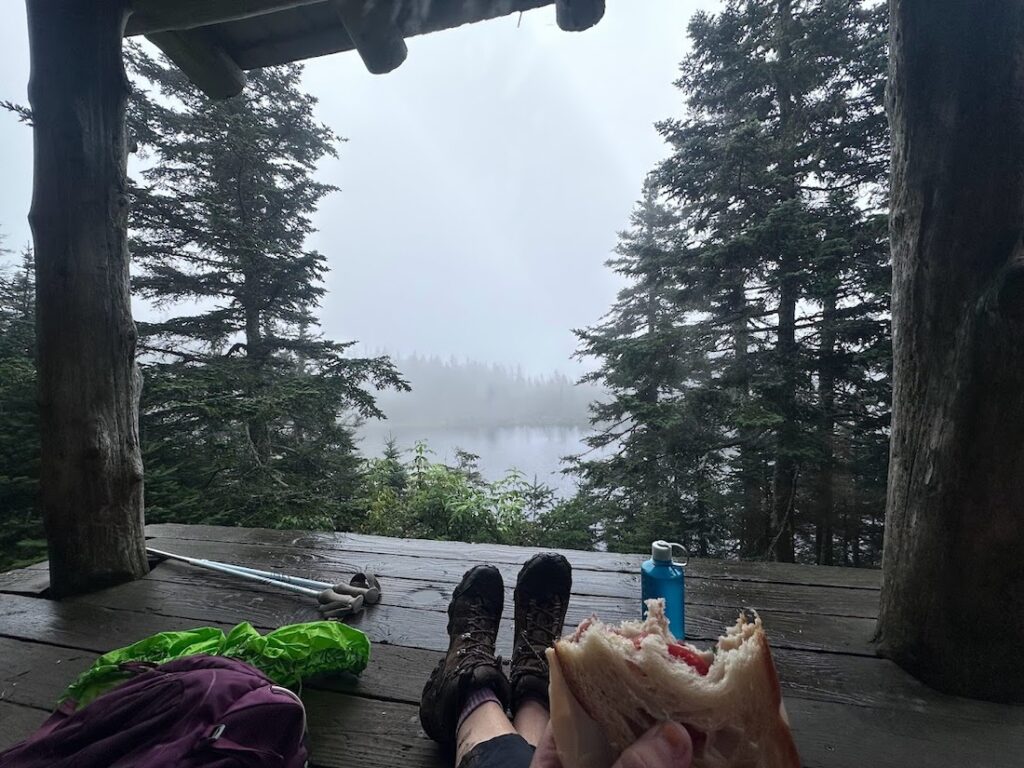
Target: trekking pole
[
  {"x": 370, "y": 593},
  {"x": 364, "y": 584},
  {"x": 296, "y": 580},
  {"x": 332, "y": 603}
]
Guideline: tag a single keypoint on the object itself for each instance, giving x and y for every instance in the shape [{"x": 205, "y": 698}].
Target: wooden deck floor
[{"x": 848, "y": 708}]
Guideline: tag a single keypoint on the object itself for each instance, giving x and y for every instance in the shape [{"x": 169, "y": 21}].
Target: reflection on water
[{"x": 534, "y": 451}]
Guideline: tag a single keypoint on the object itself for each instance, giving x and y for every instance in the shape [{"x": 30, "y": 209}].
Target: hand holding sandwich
[{"x": 610, "y": 684}]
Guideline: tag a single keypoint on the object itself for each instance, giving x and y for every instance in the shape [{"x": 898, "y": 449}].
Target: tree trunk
[
  {"x": 851, "y": 503},
  {"x": 256, "y": 356},
  {"x": 952, "y": 604},
  {"x": 753, "y": 526},
  {"x": 91, "y": 470},
  {"x": 784, "y": 480},
  {"x": 825, "y": 496}
]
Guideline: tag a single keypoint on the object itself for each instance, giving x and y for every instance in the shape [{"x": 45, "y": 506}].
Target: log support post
[
  {"x": 578, "y": 15},
  {"x": 203, "y": 60},
  {"x": 374, "y": 31},
  {"x": 952, "y": 602},
  {"x": 91, "y": 470}
]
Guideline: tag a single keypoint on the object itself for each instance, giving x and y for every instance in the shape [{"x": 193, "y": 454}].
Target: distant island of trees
[{"x": 466, "y": 393}]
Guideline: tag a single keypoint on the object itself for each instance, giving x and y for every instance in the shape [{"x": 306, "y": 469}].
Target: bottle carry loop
[{"x": 686, "y": 555}]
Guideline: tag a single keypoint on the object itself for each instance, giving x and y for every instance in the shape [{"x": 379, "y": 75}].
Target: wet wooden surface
[{"x": 848, "y": 707}]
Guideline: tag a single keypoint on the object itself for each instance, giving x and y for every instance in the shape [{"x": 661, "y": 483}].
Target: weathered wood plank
[
  {"x": 847, "y": 709},
  {"x": 838, "y": 736},
  {"x": 348, "y": 730},
  {"x": 434, "y": 593},
  {"x": 416, "y": 628},
  {"x": 36, "y": 674},
  {"x": 397, "y": 569},
  {"x": 17, "y": 722},
  {"x": 81, "y": 626},
  {"x": 432, "y": 588},
  {"x": 336, "y": 564},
  {"x": 353, "y": 732},
  {"x": 32, "y": 580},
  {"x": 786, "y": 573}
]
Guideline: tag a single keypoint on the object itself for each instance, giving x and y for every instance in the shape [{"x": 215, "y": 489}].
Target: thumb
[
  {"x": 546, "y": 756},
  {"x": 664, "y": 746}
]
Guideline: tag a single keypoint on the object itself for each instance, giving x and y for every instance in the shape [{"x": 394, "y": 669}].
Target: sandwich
[{"x": 610, "y": 684}]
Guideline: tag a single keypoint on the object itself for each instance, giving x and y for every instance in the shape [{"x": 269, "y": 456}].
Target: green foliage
[
  {"x": 21, "y": 530},
  {"x": 748, "y": 357},
  {"x": 247, "y": 410},
  {"x": 421, "y": 498},
  {"x": 746, "y": 361}
]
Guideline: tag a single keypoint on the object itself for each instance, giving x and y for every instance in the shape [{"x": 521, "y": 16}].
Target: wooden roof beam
[
  {"x": 374, "y": 31},
  {"x": 577, "y": 15},
  {"x": 416, "y": 17},
  {"x": 205, "y": 62},
  {"x": 149, "y": 16}
]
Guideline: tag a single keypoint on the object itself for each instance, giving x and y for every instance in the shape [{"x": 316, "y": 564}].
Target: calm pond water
[{"x": 534, "y": 451}]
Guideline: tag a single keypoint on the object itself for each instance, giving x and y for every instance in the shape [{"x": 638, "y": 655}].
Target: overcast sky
[{"x": 482, "y": 183}]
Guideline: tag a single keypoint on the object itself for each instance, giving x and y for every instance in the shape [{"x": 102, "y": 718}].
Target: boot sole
[{"x": 428, "y": 727}]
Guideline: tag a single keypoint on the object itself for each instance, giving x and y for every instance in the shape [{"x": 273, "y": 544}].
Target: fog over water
[{"x": 481, "y": 187}]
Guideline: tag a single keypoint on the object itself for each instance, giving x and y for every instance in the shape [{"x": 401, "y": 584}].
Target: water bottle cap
[{"x": 661, "y": 552}]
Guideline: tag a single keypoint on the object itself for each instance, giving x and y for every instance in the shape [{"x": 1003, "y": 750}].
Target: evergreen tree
[
  {"x": 777, "y": 283},
  {"x": 244, "y": 401},
  {"x": 659, "y": 478},
  {"x": 21, "y": 529}
]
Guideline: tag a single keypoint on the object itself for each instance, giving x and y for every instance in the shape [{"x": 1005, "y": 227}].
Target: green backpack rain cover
[{"x": 287, "y": 655}]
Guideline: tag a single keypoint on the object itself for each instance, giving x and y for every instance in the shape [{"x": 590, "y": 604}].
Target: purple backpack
[{"x": 198, "y": 711}]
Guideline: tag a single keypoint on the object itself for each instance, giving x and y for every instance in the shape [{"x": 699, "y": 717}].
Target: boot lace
[
  {"x": 540, "y": 633},
  {"x": 477, "y": 639}
]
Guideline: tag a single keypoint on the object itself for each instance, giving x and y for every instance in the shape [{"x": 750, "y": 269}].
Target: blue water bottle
[{"x": 662, "y": 577}]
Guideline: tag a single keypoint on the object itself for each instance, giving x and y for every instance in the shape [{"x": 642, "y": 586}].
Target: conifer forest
[{"x": 735, "y": 396}]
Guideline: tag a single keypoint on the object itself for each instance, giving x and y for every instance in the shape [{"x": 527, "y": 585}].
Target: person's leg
[
  {"x": 464, "y": 701},
  {"x": 541, "y": 600},
  {"x": 485, "y": 737},
  {"x": 531, "y": 720},
  {"x": 468, "y": 684},
  {"x": 487, "y": 721}
]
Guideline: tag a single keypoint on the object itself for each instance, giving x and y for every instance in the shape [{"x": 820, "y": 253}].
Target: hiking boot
[
  {"x": 470, "y": 664},
  {"x": 541, "y": 599}
]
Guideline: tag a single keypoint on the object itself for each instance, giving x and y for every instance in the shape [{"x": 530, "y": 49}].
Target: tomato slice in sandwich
[
  {"x": 681, "y": 652},
  {"x": 677, "y": 651}
]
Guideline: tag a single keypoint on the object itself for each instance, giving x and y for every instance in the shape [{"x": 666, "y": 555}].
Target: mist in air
[{"x": 481, "y": 188}]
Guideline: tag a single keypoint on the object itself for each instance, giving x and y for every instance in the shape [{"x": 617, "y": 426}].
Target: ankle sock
[{"x": 474, "y": 701}]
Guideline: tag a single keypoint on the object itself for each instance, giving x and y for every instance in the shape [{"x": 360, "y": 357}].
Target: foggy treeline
[
  {"x": 739, "y": 391},
  {"x": 465, "y": 393}
]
